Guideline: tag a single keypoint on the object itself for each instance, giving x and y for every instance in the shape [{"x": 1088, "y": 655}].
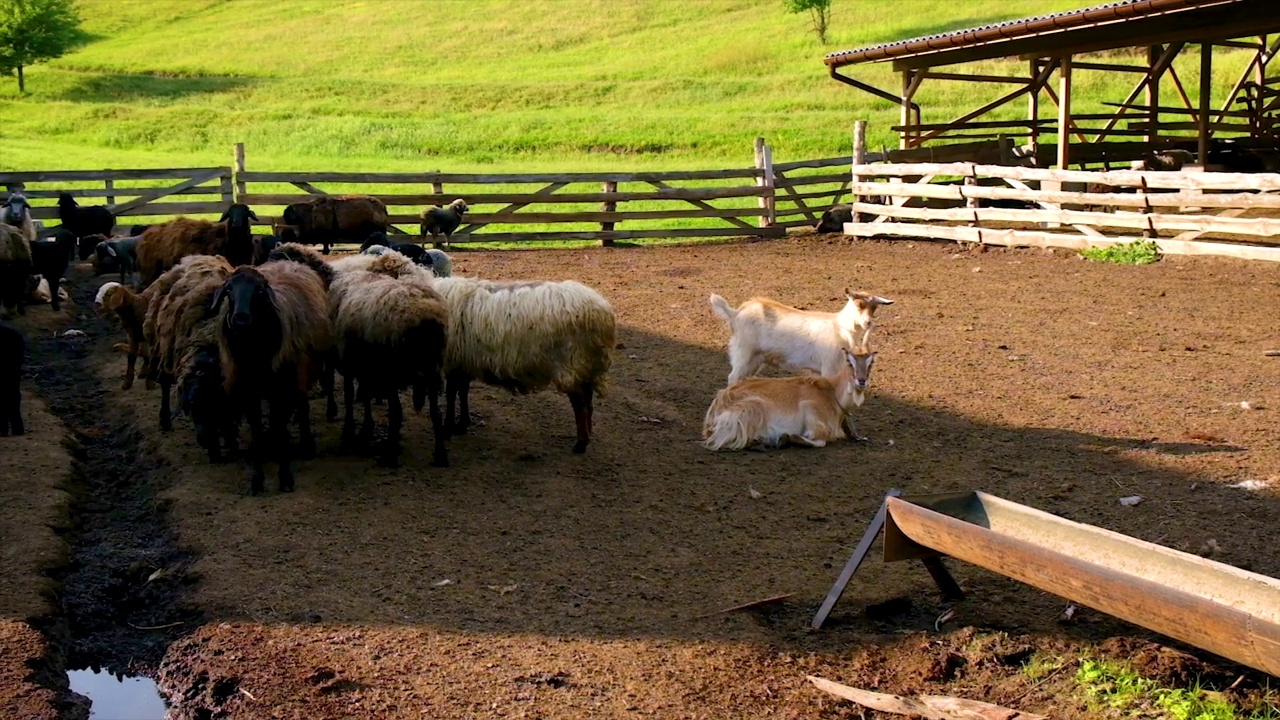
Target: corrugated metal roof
[{"x": 1010, "y": 29}]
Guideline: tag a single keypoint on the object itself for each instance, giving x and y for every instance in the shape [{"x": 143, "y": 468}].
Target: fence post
[
  {"x": 437, "y": 188},
  {"x": 859, "y": 158},
  {"x": 764, "y": 161},
  {"x": 110, "y": 185},
  {"x": 239, "y": 168},
  {"x": 608, "y": 206}
]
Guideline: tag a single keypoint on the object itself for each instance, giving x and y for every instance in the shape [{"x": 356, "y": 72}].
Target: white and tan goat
[
  {"x": 767, "y": 332},
  {"x": 807, "y": 410}
]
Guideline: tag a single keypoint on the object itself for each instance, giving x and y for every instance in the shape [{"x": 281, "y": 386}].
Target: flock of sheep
[{"x": 247, "y": 325}]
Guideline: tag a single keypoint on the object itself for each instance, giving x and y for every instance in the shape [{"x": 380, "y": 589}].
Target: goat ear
[
  {"x": 253, "y": 215},
  {"x": 225, "y": 214}
]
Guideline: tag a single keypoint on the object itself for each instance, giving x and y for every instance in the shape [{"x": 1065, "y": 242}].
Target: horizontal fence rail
[
  {"x": 1076, "y": 209},
  {"x": 197, "y": 190}
]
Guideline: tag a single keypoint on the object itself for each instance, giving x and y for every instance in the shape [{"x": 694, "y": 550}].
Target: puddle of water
[{"x": 118, "y": 697}]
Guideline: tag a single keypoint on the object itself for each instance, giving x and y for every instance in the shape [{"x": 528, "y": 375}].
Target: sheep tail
[{"x": 722, "y": 308}]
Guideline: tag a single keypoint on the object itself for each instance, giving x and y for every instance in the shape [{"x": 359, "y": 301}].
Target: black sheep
[
  {"x": 13, "y": 350},
  {"x": 834, "y": 218},
  {"x": 49, "y": 259},
  {"x": 84, "y": 221},
  {"x": 201, "y": 395},
  {"x": 137, "y": 230},
  {"x": 239, "y": 249}
]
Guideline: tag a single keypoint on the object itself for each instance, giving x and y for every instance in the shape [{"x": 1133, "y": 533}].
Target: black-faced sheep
[
  {"x": 274, "y": 332},
  {"x": 17, "y": 212},
  {"x": 436, "y": 221},
  {"x": 328, "y": 219},
  {"x": 49, "y": 259},
  {"x": 12, "y": 353},
  {"x": 526, "y": 337},
  {"x": 262, "y": 247},
  {"x": 82, "y": 221},
  {"x": 390, "y": 333},
  {"x": 15, "y": 268},
  {"x": 163, "y": 246},
  {"x": 136, "y": 230},
  {"x": 834, "y": 218}
]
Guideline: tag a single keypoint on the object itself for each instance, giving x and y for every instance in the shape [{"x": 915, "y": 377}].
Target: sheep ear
[
  {"x": 111, "y": 250},
  {"x": 226, "y": 214},
  {"x": 218, "y": 297},
  {"x": 253, "y": 215}
]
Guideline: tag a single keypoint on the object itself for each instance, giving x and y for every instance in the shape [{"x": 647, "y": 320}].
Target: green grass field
[{"x": 484, "y": 85}]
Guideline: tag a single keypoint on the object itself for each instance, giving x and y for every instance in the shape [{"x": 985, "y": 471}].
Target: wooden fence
[
  {"x": 189, "y": 191},
  {"x": 762, "y": 201},
  {"x": 1186, "y": 213}
]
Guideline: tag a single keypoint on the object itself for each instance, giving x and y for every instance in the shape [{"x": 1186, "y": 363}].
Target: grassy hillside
[{"x": 452, "y": 84}]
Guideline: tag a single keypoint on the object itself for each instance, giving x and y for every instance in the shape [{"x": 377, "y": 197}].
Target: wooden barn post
[
  {"x": 859, "y": 158},
  {"x": 1206, "y": 90},
  {"x": 608, "y": 206},
  {"x": 239, "y": 169}
]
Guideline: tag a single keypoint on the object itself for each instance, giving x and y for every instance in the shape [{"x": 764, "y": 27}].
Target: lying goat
[
  {"x": 806, "y": 410},
  {"x": 766, "y": 331}
]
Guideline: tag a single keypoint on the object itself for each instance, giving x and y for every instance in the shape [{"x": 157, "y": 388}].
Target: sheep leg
[
  {"x": 438, "y": 427},
  {"x": 53, "y": 294},
  {"x": 166, "y": 414},
  {"x": 349, "y": 414},
  {"x": 457, "y": 387},
  {"x": 281, "y": 409},
  {"x": 253, "y": 410},
  {"x": 326, "y": 382},
  {"x": 395, "y": 419},
  {"x": 366, "y": 427},
  {"x": 132, "y": 363},
  {"x": 306, "y": 440},
  {"x": 581, "y": 401}
]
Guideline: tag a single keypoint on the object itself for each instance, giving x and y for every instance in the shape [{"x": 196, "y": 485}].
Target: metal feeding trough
[{"x": 1214, "y": 606}]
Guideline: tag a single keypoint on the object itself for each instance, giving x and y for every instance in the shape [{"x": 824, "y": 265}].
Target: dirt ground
[{"x": 525, "y": 581}]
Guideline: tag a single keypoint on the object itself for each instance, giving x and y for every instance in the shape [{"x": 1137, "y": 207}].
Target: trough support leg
[
  {"x": 950, "y": 588},
  {"x": 855, "y": 560}
]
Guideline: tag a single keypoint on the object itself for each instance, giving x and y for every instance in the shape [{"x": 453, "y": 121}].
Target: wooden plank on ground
[{"x": 933, "y": 707}]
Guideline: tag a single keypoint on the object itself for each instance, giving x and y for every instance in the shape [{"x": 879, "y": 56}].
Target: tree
[
  {"x": 819, "y": 11},
  {"x": 32, "y": 31}
]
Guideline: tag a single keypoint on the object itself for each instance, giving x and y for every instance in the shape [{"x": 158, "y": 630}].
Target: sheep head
[
  {"x": 249, "y": 301},
  {"x": 237, "y": 217},
  {"x": 375, "y": 238},
  {"x": 16, "y": 208},
  {"x": 459, "y": 207}
]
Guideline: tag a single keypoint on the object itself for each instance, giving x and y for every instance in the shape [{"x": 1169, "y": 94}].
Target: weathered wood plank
[
  {"x": 513, "y": 207},
  {"x": 663, "y": 187},
  {"x": 90, "y": 175},
  {"x": 1043, "y": 239},
  {"x": 798, "y": 180},
  {"x": 149, "y": 210},
  {"x": 494, "y": 178},
  {"x": 197, "y": 179},
  {"x": 1124, "y": 178},
  {"x": 619, "y": 234},
  {"x": 114, "y": 191},
  {"x": 1260, "y": 227},
  {"x": 669, "y": 193},
  {"x": 616, "y": 216},
  {"x": 819, "y": 163},
  {"x": 1165, "y": 199}
]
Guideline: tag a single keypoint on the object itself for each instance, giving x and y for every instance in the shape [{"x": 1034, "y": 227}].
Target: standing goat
[
  {"x": 766, "y": 331},
  {"x": 807, "y": 410}
]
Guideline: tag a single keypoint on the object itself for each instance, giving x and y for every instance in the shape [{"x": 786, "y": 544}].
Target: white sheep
[
  {"x": 527, "y": 336},
  {"x": 766, "y": 331},
  {"x": 807, "y": 410}
]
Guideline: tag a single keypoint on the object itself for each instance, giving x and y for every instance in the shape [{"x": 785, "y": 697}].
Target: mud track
[{"x": 120, "y": 593}]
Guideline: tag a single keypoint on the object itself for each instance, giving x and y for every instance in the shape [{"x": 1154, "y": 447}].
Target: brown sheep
[
  {"x": 328, "y": 219},
  {"x": 131, "y": 308},
  {"x": 273, "y": 336},
  {"x": 163, "y": 246}
]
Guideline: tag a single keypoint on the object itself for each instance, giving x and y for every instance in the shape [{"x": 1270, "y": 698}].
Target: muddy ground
[{"x": 525, "y": 581}]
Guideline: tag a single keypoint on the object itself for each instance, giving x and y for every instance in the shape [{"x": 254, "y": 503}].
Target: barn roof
[{"x": 1130, "y": 23}]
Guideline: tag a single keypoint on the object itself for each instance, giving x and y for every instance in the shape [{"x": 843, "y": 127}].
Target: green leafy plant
[
  {"x": 1117, "y": 686},
  {"x": 819, "y": 12},
  {"x": 32, "y": 31},
  {"x": 1138, "y": 252}
]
